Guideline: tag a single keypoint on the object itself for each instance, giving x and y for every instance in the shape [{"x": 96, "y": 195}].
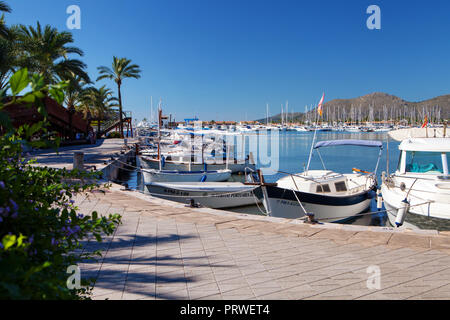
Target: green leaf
[
  {"x": 19, "y": 81},
  {"x": 8, "y": 241},
  {"x": 28, "y": 98},
  {"x": 57, "y": 94},
  {"x": 37, "y": 82}
]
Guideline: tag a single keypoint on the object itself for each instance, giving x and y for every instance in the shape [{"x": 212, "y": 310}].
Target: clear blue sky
[{"x": 225, "y": 59}]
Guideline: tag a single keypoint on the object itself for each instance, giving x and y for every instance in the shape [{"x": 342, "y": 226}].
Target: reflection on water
[{"x": 293, "y": 153}]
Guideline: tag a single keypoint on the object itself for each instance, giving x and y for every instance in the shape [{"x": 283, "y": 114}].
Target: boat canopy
[{"x": 349, "y": 142}]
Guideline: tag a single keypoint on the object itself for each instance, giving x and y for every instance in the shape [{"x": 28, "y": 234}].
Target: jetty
[{"x": 165, "y": 250}]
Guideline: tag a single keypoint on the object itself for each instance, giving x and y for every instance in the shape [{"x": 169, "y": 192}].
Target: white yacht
[{"x": 421, "y": 184}]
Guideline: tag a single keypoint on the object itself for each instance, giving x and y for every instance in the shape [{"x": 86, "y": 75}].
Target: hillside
[{"x": 379, "y": 106}]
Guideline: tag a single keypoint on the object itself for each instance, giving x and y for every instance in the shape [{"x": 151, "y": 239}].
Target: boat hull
[
  {"x": 422, "y": 214},
  {"x": 282, "y": 203},
  {"x": 208, "y": 195}
]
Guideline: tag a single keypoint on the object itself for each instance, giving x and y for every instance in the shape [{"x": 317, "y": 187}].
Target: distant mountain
[{"x": 378, "y": 106}]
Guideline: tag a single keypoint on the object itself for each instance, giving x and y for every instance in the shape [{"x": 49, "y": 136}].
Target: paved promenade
[
  {"x": 94, "y": 155},
  {"x": 167, "y": 251}
]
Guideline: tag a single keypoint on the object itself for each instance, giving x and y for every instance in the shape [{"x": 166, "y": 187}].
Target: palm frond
[{"x": 4, "y": 7}]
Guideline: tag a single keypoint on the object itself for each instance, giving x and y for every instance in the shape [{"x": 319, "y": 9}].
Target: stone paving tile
[
  {"x": 244, "y": 293},
  {"x": 162, "y": 252}
]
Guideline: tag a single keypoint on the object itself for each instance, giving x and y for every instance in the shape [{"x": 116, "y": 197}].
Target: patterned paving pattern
[{"x": 171, "y": 252}]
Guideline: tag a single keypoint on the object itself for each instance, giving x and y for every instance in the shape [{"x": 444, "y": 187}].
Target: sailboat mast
[
  {"x": 282, "y": 121},
  {"x": 159, "y": 134},
  {"x": 151, "y": 109},
  {"x": 287, "y": 113}
]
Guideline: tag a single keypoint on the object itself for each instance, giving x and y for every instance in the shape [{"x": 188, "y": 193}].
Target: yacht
[{"x": 420, "y": 186}]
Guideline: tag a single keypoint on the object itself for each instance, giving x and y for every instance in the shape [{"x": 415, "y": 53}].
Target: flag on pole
[
  {"x": 425, "y": 122},
  {"x": 320, "y": 106}
]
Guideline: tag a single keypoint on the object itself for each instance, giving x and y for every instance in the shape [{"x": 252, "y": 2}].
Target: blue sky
[{"x": 225, "y": 59}]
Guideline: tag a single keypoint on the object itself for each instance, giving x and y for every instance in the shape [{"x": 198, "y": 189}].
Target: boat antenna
[
  {"x": 312, "y": 147},
  {"x": 319, "y": 112}
]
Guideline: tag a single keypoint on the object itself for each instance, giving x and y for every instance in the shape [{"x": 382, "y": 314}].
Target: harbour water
[{"x": 293, "y": 153}]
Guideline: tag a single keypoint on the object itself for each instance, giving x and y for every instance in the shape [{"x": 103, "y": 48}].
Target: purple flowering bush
[{"x": 41, "y": 232}]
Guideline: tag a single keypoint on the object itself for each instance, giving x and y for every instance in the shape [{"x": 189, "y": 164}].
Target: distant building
[
  {"x": 249, "y": 122},
  {"x": 188, "y": 122}
]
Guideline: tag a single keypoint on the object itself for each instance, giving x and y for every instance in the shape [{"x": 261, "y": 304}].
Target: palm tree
[
  {"x": 3, "y": 28},
  {"x": 46, "y": 51},
  {"x": 99, "y": 102},
  {"x": 8, "y": 60},
  {"x": 121, "y": 69},
  {"x": 75, "y": 91}
]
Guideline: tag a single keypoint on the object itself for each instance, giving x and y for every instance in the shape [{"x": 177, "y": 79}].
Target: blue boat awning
[{"x": 361, "y": 143}]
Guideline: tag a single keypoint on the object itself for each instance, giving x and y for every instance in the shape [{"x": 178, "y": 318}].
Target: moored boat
[
  {"x": 152, "y": 175},
  {"x": 330, "y": 196},
  {"x": 217, "y": 195},
  {"x": 420, "y": 187}
]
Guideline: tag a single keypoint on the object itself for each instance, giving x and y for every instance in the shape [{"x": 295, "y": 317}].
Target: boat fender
[
  {"x": 203, "y": 179},
  {"x": 401, "y": 213},
  {"x": 163, "y": 161},
  {"x": 379, "y": 200}
]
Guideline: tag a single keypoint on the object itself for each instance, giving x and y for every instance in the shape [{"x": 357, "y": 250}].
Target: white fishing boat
[
  {"x": 153, "y": 175},
  {"x": 330, "y": 196},
  {"x": 420, "y": 186},
  {"x": 174, "y": 163},
  {"x": 217, "y": 195}
]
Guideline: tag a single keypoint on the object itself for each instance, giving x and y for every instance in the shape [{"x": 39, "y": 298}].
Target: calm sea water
[{"x": 294, "y": 148}]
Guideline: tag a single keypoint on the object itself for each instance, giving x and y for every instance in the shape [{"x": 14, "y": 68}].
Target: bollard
[
  {"x": 192, "y": 204},
  {"x": 310, "y": 218},
  {"x": 78, "y": 160}
]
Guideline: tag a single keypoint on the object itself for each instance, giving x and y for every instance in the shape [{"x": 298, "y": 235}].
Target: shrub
[{"x": 41, "y": 232}]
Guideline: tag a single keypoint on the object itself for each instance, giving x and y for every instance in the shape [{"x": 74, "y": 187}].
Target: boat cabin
[
  {"x": 424, "y": 156},
  {"x": 322, "y": 181}
]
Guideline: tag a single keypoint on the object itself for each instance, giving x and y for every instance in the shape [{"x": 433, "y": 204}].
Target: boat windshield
[{"x": 424, "y": 162}]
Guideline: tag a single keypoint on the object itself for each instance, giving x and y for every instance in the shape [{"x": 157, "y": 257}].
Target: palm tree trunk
[{"x": 120, "y": 110}]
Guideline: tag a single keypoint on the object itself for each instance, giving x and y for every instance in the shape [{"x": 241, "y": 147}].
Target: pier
[{"x": 106, "y": 155}]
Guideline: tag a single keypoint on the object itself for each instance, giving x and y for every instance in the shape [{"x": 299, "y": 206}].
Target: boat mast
[
  {"x": 151, "y": 110},
  {"x": 287, "y": 113},
  {"x": 159, "y": 134}
]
